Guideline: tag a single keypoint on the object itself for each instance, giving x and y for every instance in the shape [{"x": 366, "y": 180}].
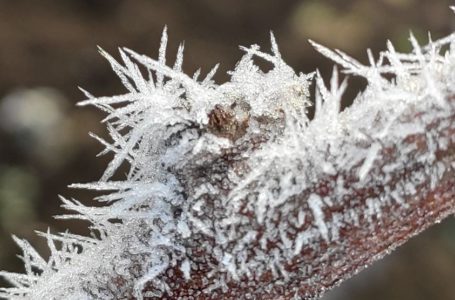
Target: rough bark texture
[{"x": 325, "y": 264}]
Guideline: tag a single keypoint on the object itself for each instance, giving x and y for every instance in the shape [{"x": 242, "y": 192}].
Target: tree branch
[
  {"x": 365, "y": 220},
  {"x": 232, "y": 192}
]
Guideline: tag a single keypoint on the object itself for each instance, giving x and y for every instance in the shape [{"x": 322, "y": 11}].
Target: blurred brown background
[{"x": 48, "y": 48}]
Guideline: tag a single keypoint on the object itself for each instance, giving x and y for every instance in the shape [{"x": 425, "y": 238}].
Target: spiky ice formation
[{"x": 233, "y": 192}]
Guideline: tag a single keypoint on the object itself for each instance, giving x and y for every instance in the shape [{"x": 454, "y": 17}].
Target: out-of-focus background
[{"x": 48, "y": 48}]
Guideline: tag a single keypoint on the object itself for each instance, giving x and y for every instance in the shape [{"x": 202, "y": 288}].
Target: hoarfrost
[
  {"x": 214, "y": 169},
  {"x": 369, "y": 160},
  {"x": 315, "y": 205}
]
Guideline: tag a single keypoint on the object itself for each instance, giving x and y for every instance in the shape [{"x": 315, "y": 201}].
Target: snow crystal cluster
[{"x": 213, "y": 167}]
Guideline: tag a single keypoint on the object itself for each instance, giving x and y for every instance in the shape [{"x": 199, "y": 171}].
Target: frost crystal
[{"x": 232, "y": 183}]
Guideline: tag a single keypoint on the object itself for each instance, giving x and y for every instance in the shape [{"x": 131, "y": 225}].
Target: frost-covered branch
[{"x": 233, "y": 192}]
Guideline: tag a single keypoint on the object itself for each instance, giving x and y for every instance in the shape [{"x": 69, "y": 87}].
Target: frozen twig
[{"x": 233, "y": 193}]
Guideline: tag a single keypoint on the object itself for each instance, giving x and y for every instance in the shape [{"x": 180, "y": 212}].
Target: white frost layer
[
  {"x": 315, "y": 204},
  {"x": 144, "y": 219}
]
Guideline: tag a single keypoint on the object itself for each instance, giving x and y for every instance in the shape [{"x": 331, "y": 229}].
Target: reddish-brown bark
[{"x": 325, "y": 264}]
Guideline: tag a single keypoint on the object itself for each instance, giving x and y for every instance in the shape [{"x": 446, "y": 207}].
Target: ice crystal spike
[{"x": 232, "y": 192}]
